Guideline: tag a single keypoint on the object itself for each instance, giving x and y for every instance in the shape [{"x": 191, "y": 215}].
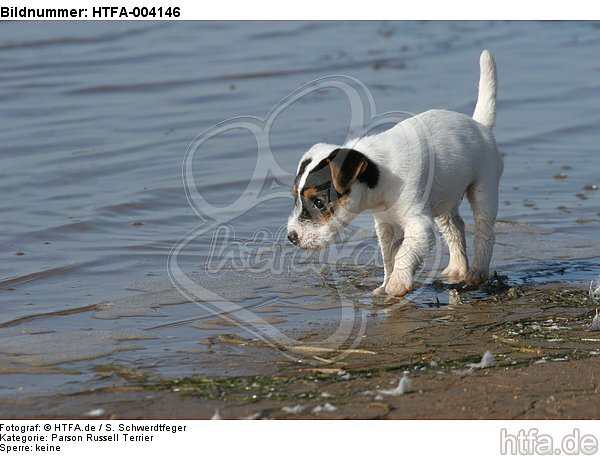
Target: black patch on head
[
  {"x": 303, "y": 166},
  {"x": 350, "y": 159},
  {"x": 309, "y": 209},
  {"x": 318, "y": 182},
  {"x": 301, "y": 170},
  {"x": 319, "y": 177},
  {"x": 304, "y": 214},
  {"x": 347, "y": 160}
]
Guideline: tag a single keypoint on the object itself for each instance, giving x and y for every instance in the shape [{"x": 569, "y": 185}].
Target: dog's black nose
[{"x": 293, "y": 237}]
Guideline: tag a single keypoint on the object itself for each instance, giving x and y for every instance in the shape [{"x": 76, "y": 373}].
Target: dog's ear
[{"x": 346, "y": 166}]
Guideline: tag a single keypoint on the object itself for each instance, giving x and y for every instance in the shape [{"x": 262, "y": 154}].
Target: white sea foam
[
  {"x": 327, "y": 407},
  {"x": 404, "y": 386},
  {"x": 487, "y": 360},
  {"x": 294, "y": 409},
  {"x": 595, "y": 326}
]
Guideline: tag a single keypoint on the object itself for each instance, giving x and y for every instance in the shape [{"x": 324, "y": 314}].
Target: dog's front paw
[
  {"x": 399, "y": 286},
  {"x": 379, "y": 291},
  {"x": 454, "y": 274},
  {"x": 474, "y": 277}
]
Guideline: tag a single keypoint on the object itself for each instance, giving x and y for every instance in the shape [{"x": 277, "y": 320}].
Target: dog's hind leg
[
  {"x": 484, "y": 202},
  {"x": 390, "y": 238},
  {"x": 452, "y": 227}
]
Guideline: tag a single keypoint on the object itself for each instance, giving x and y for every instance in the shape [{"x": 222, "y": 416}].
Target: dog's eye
[{"x": 319, "y": 203}]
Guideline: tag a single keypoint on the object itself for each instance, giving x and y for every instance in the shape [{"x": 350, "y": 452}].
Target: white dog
[{"x": 409, "y": 176}]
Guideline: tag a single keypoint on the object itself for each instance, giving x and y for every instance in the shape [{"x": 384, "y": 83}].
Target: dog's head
[{"x": 328, "y": 192}]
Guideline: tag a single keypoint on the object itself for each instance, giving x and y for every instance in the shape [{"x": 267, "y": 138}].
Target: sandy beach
[{"x": 544, "y": 364}]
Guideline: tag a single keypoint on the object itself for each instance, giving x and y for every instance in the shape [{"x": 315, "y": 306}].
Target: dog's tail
[{"x": 485, "y": 109}]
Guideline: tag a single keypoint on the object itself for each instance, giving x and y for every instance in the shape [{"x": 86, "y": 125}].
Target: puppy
[{"x": 412, "y": 177}]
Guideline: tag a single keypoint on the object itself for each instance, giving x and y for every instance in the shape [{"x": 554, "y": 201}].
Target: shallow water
[{"x": 97, "y": 118}]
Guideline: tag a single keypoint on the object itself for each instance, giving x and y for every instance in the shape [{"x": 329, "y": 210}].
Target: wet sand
[{"x": 546, "y": 366}]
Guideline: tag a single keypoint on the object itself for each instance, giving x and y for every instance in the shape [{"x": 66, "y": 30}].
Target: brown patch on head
[
  {"x": 334, "y": 206},
  {"x": 316, "y": 205},
  {"x": 309, "y": 192},
  {"x": 331, "y": 208},
  {"x": 324, "y": 220},
  {"x": 342, "y": 201},
  {"x": 327, "y": 185}
]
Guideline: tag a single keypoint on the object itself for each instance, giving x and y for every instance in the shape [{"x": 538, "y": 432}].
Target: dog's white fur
[{"x": 426, "y": 163}]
